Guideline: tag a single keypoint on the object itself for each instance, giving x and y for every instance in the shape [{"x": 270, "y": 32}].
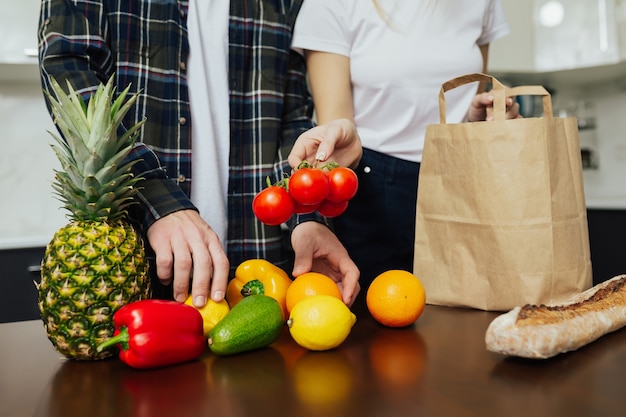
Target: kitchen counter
[
  {"x": 438, "y": 367},
  {"x": 25, "y": 242},
  {"x": 606, "y": 203}
]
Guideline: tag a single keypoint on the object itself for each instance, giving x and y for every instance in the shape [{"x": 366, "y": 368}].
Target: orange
[
  {"x": 308, "y": 285},
  {"x": 396, "y": 298}
]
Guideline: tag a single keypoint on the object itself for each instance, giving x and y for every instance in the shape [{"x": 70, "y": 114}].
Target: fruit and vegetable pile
[
  {"x": 326, "y": 189},
  {"x": 261, "y": 300},
  {"x": 94, "y": 294}
]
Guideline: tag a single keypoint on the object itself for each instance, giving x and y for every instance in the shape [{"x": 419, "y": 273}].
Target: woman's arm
[
  {"x": 329, "y": 78},
  {"x": 335, "y": 138},
  {"x": 484, "y": 51}
]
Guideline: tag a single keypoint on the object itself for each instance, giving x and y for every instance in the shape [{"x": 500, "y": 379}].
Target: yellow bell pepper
[{"x": 275, "y": 281}]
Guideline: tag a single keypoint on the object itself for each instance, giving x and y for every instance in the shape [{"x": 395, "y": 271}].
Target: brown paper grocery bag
[{"x": 501, "y": 218}]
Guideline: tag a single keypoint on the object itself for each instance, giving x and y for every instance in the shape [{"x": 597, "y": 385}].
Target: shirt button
[
  {"x": 182, "y": 120},
  {"x": 181, "y": 178},
  {"x": 367, "y": 170},
  {"x": 183, "y": 66}
]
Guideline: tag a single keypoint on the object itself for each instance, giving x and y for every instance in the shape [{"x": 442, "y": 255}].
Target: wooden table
[{"x": 439, "y": 367}]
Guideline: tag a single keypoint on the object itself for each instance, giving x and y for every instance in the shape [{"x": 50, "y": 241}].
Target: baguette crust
[{"x": 542, "y": 331}]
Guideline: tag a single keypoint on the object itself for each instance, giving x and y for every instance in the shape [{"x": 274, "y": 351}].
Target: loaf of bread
[{"x": 540, "y": 331}]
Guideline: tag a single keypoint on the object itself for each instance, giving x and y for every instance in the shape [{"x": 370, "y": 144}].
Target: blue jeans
[{"x": 378, "y": 228}]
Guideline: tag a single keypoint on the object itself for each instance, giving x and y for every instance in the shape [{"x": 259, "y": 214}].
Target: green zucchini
[{"x": 253, "y": 323}]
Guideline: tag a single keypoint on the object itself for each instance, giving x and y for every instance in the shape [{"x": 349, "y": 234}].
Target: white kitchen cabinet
[
  {"x": 568, "y": 40},
  {"x": 29, "y": 213},
  {"x": 573, "y": 34},
  {"x": 514, "y": 53},
  {"x": 18, "y": 31}
]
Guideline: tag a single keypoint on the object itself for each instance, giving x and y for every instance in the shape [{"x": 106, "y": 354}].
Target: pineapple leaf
[
  {"x": 92, "y": 164},
  {"x": 119, "y": 184},
  {"x": 73, "y": 141},
  {"x": 70, "y": 180},
  {"x": 77, "y": 198},
  {"x": 96, "y": 182},
  {"x": 112, "y": 165},
  {"x": 119, "y": 110},
  {"x": 105, "y": 174},
  {"x": 91, "y": 188},
  {"x": 106, "y": 199},
  {"x": 62, "y": 154},
  {"x": 126, "y": 170},
  {"x": 96, "y": 212},
  {"x": 115, "y": 107},
  {"x": 69, "y": 111},
  {"x": 109, "y": 144},
  {"x": 61, "y": 143},
  {"x": 130, "y": 136},
  {"x": 99, "y": 115}
]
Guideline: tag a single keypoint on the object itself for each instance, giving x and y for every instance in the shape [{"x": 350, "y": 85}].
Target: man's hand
[
  {"x": 317, "y": 249},
  {"x": 185, "y": 244},
  {"x": 336, "y": 141}
]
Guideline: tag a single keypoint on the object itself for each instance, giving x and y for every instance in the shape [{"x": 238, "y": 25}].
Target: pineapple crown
[{"x": 95, "y": 183}]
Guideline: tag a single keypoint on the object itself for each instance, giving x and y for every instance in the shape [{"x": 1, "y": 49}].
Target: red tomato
[
  {"x": 304, "y": 208},
  {"x": 309, "y": 185},
  {"x": 273, "y": 205},
  {"x": 343, "y": 184},
  {"x": 332, "y": 209}
]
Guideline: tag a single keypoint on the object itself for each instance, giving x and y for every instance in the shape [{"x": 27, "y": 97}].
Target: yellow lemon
[
  {"x": 211, "y": 313},
  {"x": 320, "y": 322}
]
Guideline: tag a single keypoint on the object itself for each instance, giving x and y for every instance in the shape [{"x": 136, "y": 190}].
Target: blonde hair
[
  {"x": 380, "y": 11},
  {"x": 387, "y": 18}
]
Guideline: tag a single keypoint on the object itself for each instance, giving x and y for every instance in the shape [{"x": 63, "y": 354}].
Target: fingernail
[
  {"x": 180, "y": 297},
  {"x": 320, "y": 156},
  {"x": 218, "y": 296},
  {"x": 199, "y": 301}
]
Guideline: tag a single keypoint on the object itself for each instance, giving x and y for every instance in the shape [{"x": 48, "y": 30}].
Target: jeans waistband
[{"x": 387, "y": 164}]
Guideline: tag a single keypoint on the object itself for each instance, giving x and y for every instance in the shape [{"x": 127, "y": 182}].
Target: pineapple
[{"x": 96, "y": 263}]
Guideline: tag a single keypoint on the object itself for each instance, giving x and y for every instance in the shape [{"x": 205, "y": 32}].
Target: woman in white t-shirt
[{"x": 381, "y": 64}]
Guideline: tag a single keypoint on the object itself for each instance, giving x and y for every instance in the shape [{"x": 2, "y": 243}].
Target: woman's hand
[
  {"x": 482, "y": 108},
  {"x": 336, "y": 141}
]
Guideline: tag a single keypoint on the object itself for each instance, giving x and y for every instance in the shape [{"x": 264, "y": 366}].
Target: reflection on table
[{"x": 438, "y": 367}]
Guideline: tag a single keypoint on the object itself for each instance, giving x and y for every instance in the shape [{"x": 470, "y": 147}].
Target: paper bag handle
[
  {"x": 499, "y": 94},
  {"x": 498, "y": 91},
  {"x": 533, "y": 90}
]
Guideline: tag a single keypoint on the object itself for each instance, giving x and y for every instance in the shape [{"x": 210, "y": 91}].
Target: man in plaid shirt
[{"x": 225, "y": 72}]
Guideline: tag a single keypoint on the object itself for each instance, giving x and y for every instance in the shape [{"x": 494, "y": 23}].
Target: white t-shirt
[
  {"x": 207, "y": 75},
  {"x": 397, "y": 64}
]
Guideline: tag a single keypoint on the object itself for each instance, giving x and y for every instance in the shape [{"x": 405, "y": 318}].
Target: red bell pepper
[{"x": 153, "y": 333}]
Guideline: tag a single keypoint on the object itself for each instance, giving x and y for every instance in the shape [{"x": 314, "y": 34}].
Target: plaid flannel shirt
[{"x": 144, "y": 43}]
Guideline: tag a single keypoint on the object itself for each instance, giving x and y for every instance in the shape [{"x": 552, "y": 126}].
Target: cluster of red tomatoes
[{"x": 326, "y": 189}]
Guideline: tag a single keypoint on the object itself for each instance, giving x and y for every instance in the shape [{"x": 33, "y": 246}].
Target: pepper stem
[
  {"x": 253, "y": 287},
  {"x": 120, "y": 338}
]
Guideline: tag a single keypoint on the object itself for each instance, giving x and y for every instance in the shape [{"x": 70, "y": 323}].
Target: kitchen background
[{"x": 575, "y": 48}]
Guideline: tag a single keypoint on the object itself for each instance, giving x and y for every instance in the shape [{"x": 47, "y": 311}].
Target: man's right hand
[{"x": 184, "y": 244}]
